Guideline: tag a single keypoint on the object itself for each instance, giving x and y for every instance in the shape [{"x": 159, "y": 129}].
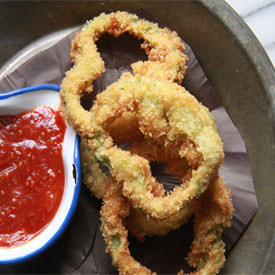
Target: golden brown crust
[
  {"x": 164, "y": 49},
  {"x": 138, "y": 223},
  {"x": 168, "y": 114},
  {"x": 113, "y": 214},
  {"x": 213, "y": 212}
]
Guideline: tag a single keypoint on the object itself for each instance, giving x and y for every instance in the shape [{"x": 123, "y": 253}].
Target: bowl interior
[{"x": 19, "y": 101}]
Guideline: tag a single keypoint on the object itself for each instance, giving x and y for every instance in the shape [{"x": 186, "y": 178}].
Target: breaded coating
[
  {"x": 213, "y": 212},
  {"x": 95, "y": 180},
  {"x": 159, "y": 121},
  {"x": 113, "y": 213},
  {"x": 163, "y": 47},
  {"x": 138, "y": 223},
  {"x": 124, "y": 129},
  {"x": 169, "y": 114}
]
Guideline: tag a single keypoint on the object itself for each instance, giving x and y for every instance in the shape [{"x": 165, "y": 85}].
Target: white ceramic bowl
[{"x": 18, "y": 101}]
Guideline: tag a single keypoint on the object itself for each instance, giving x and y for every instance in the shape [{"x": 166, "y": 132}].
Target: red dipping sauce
[{"x": 32, "y": 174}]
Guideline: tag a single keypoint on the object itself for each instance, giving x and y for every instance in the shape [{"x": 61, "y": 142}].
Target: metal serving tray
[{"x": 234, "y": 62}]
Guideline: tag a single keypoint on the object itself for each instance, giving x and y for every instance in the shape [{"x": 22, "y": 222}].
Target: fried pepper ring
[
  {"x": 213, "y": 212},
  {"x": 163, "y": 47},
  {"x": 138, "y": 223},
  {"x": 113, "y": 214},
  {"x": 92, "y": 176},
  {"x": 95, "y": 179},
  {"x": 141, "y": 224},
  {"x": 169, "y": 114}
]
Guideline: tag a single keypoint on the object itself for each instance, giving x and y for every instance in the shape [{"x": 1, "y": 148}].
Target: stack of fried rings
[{"x": 164, "y": 123}]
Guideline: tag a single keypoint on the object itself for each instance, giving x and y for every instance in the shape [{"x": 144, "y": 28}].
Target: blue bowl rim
[{"x": 76, "y": 159}]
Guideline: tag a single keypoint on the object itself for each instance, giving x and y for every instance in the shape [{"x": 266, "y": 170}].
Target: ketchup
[{"x": 32, "y": 174}]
